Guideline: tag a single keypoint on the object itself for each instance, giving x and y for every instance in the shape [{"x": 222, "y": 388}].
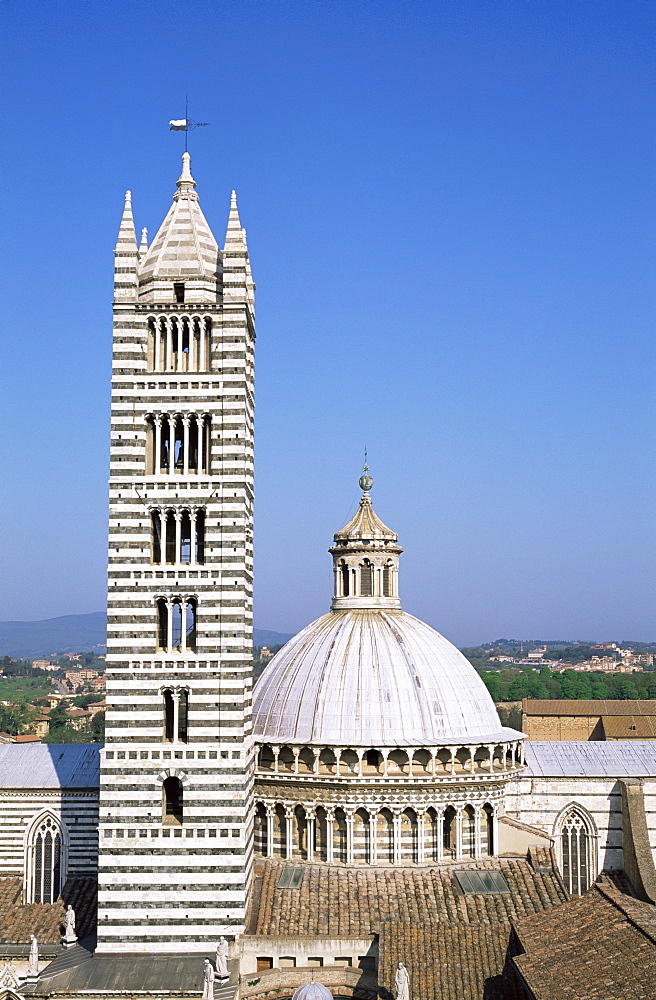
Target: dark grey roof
[
  {"x": 79, "y": 970},
  {"x": 49, "y": 765},
  {"x": 590, "y": 759}
]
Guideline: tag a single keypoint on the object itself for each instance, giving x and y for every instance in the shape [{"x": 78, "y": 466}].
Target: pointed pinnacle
[{"x": 127, "y": 237}]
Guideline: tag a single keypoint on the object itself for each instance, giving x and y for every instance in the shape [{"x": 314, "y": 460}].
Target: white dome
[
  {"x": 312, "y": 991},
  {"x": 373, "y": 677}
]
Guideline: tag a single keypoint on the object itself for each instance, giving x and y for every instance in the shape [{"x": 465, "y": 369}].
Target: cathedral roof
[
  {"x": 184, "y": 246},
  {"x": 373, "y": 678},
  {"x": 49, "y": 765}
]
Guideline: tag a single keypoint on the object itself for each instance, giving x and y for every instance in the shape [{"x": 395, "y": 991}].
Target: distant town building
[{"x": 45, "y": 665}]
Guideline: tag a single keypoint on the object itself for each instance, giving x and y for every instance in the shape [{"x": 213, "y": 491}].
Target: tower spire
[{"x": 125, "y": 254}]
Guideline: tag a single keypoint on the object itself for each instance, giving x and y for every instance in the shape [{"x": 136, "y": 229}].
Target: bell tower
[{"x": 177, "y": 767}]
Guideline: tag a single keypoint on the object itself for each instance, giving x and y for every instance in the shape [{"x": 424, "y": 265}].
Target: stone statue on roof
[
  {"x": 222, "y": 958},
  {"x": 33, "y": 961},
  {"x": 69, "y": 917},
  {"x": 402, "y": 983},
  {"x": 208, "y": 980}
]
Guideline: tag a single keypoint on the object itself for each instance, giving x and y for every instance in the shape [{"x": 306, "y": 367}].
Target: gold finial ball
[{"x": 366, "y": 482}]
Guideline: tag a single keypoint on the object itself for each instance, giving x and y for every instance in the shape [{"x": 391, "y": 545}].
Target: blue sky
[{"x": 450, "y": 212}]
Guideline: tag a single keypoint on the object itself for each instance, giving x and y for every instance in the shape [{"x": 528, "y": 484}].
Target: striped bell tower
[{"x": 177, "y": 767}]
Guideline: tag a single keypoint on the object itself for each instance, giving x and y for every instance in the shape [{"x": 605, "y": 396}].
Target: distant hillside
[{"x": 78, "y": 634}]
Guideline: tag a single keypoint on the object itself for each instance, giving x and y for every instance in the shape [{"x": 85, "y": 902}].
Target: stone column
[
  {"x": 289, "y": 847},
  {"x": 185, "y": 443},
  {"x": 373, "y": 843},
  {"x": 433, "y": 759},
  {"x": 183, "y": 625},
  {"x": 330, "y": 830},
  {"x": 495, "y": 832},
  {"x": 440, "y": 834},
  {"x": 459, "y": 833},
  {"x": 296, "y": 751},
  {"x": 169, "y": 346},
  {"x": 169, "y": 624},
  {"x": 421, "y": 834},
  {"x": 157, "y": 471},
  {"x": 202, "y": 363},
  {"x": 270, "y": 814},
  {"x": 396, "y": 836},
  {"x": 349, "y": 836},
  {"x": 178, "y": 535},
  {"x": 276, "y": 754},
  {"x": 360, "y": 753},
  {"x": 193, "y": 528},
  {"x": 309, "y": 832},
  {"x": 453, "y": 759},
  {"x": 171, "y": 444},
  {"x": 157, "y": 347},
  {"x": 478, "y": 815},
  {"x": 175, "y": 695},
  {"x": 162, "y": 536},
  {"x": 385, "y": 754}
]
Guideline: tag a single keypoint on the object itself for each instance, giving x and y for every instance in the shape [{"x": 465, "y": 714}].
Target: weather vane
[{"x": 185, "y": 124}]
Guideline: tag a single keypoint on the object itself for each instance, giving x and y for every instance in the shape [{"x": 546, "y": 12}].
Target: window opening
[
  {"x": 387, "y": 581},
  {"x": 200, "y": 536},
  {"x": 185, "y": 537},
  {"x": 172, "y": 802},
  {"x": 156, "y": 536},
  {"x": 176, "y": 612},
  {"x": 574, "y": 849},
  {"x": 486, "y": 883},
  {"x": 168, "y": 716},
  {"x": 191, "y": 624},
  {"x": 183, "y": 716},
  {"x": 47, "y": 873},
  {"x": 291, "y": 878},
  {"x": 366, "y": 579},
  {"x": 179, "y": 291},
  {"x": 162, "y": 623},
  {"x": 345, "y": 580}
]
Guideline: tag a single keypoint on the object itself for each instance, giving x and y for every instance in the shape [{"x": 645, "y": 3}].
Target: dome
[
  {"x": 312, "y": 991},
  {"x": 373, "y": 677}
]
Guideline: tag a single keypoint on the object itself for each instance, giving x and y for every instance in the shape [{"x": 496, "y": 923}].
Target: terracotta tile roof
[
  {"x": 599, "y": 946},
  {"x": 629, "y": 727},
  {"x": 339, "y": 901},
  {"x": 19, "y": 920},
  {"x": 598, "y": 707},
  {"x": 458, "y": 962}
]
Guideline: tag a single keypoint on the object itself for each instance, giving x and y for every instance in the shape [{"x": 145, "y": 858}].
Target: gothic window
[
  {"x": 172, "y": 802},
  {"x": 46, "y": 880},
  {"x": 575, "y": 852}
]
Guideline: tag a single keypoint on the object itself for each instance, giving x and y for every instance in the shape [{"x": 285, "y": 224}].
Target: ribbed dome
[
  {"x": 312, "y": 991},
  {"x": 373, "y": 678}
]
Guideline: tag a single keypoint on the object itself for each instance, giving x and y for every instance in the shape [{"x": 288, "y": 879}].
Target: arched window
[
  {"x": 387, "y": 581},
  {"x": 172, "y": 805},
  {"x": 183, "y": 715},
  {"x": 576, "y": 851},
  {"x": 449, "y": 831},
  {"x": 366, "y": 579},
  {"x": 190, "y": 623},
  {"x": 487, "y": 829},
  {"x": 162, "y": 623},
  {"x": 151, "y": 432},
  {"x": 345, "y": 580},
  {"x": 185, "y": 537},
  {"x": 169, "y": 716},
  {"x": 46, "y": 868},
  {"x": 156, "y": 536},
  {"x": 200, "y": 536}
]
